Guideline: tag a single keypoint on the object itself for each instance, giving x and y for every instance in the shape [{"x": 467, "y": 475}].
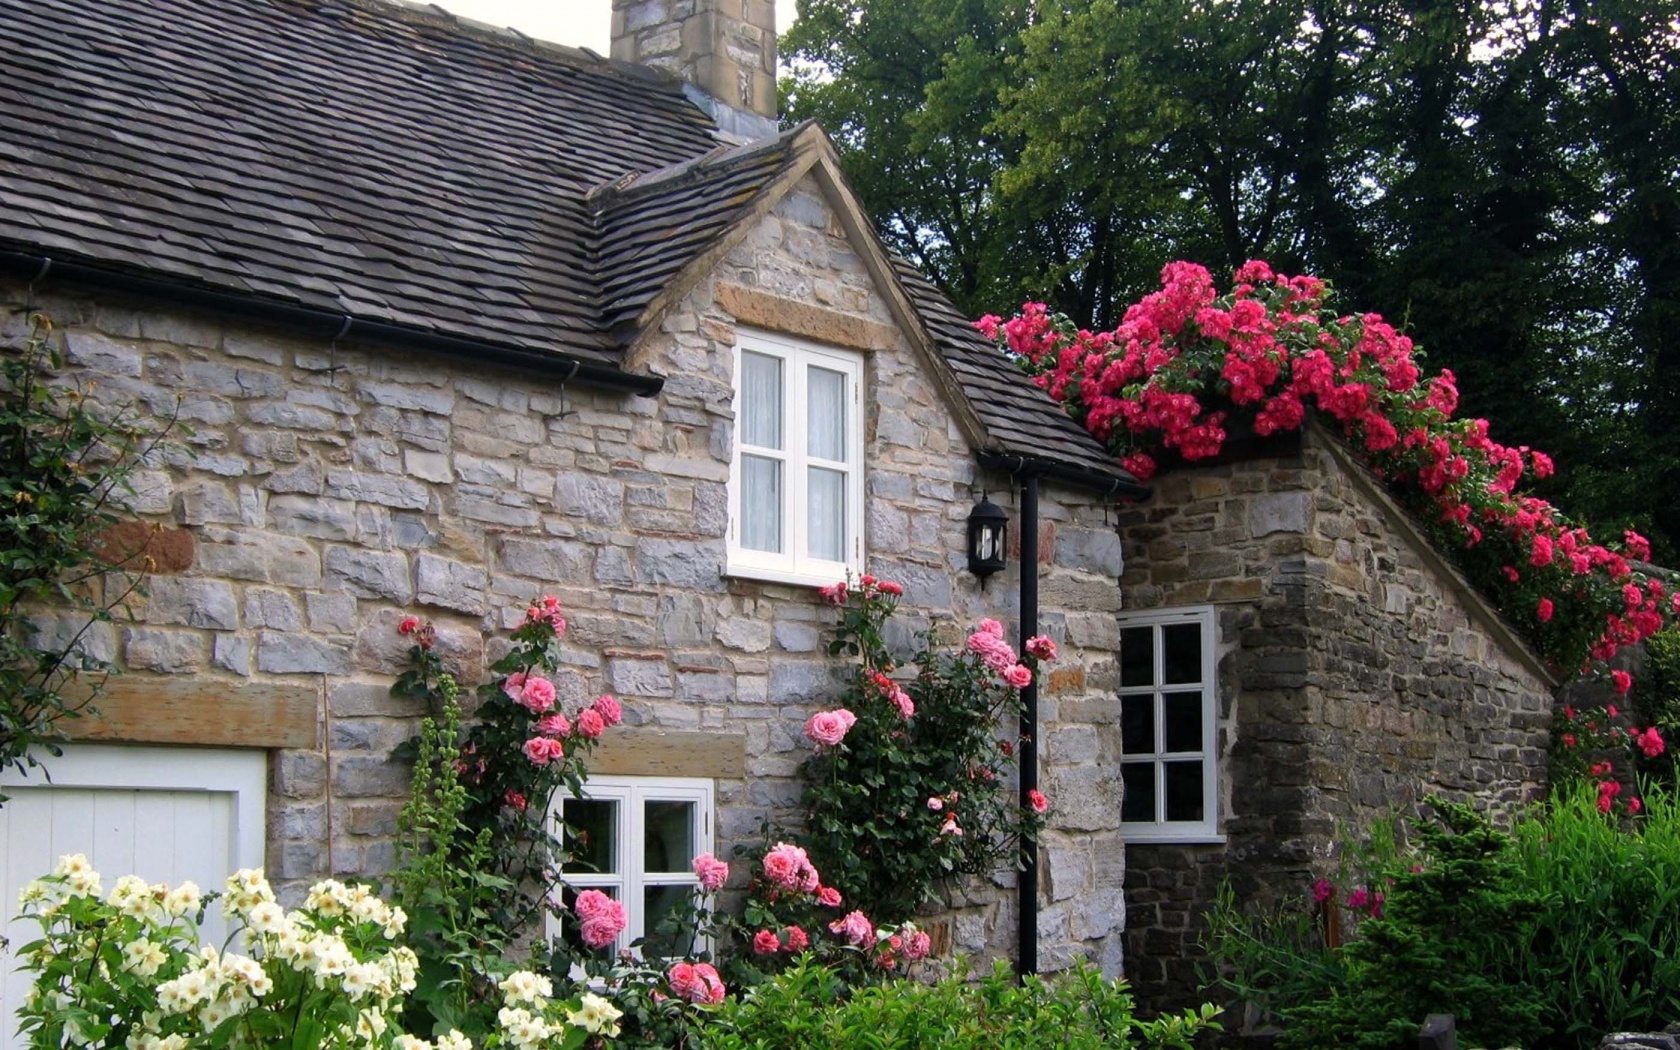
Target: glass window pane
[
  {"x": 1137, "y": 803},
  {"x": 1137, "y": 656},
  {"x": 1183, "y": 656},
  {"x": 825, "y": 397},
  {"x": 827, "y": 496},
  {"x": 761, "y": 504},
  {"x": 658, "y": 902},
  {"x": 1182, "y": 713},
  {"x": 594, "y": 835},
  {"x": 669, "y": 838},
  {"x": 1184, "y": 790},
  {"x": 1137, "y": 725},
  {"x": 761, "y": 400}
]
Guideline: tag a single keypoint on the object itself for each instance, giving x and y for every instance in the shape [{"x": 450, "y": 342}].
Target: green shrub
[
  {"x": 1077, "y": 1010},
  {"x": 1606, "y": 948},
  {"x": 1547, "y": 937}
]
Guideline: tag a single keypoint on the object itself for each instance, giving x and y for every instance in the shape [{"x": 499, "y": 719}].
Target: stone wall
[
  {"x": 1356, "y": 675},
  {"x": 328, "y": 491}
]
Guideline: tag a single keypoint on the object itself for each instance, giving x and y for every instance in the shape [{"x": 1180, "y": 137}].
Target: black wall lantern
[{"x": 988, "y": 538}]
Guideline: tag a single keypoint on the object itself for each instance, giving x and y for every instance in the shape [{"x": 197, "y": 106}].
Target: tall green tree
[{"x": 1500, "y": 176}]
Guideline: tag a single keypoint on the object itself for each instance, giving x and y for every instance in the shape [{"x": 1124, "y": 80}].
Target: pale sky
[{"x": 580, "y": 23}]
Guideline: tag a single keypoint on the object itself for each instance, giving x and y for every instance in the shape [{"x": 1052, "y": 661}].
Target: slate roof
[{"x": 389, "y": 163}]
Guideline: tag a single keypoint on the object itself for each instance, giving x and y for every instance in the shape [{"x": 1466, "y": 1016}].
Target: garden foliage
[
  {"x": 808, "y": 1007},
  {"x": 65, "y": 466},
  {"x": 1547, "y": 936}
]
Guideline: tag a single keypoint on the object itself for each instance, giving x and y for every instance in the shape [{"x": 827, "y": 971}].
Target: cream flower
[
  {"x": 183, "y": 899},
  {"x": 523, "y": 986},
  {"x": 454, "y": 1040},
  {"x": 596, "y": 1015}
]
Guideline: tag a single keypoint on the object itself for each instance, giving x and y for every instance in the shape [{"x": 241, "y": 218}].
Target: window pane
[
  {"x": 1137, "y": 804},
  {"x": 1183, "y": 717},
  {"x": 1184, "y": 790},
  {"x": 669, "y": 844},
  {"x": 761, "y": 504},
  {"x": 594, "y": 835},
  {"x": 1137, "y": 656},
  {"x": 761, "y": 400},
  {"x": 827, "y": 495},
  {"x": 1183, "y": 645},
  {"x": 657, "y": 903},
  {"x": 825, "y": 396},
  {"x": 1137, "y": 725}
]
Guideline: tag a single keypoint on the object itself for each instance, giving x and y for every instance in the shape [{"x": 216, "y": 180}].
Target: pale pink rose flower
[
  {"x": 902, "y": 701},
  {"x": 855, "y": 928},
  {"x": 828, "y": 728},
  {"x": 514, "y": 684},
  {"x": 590, "y": 724},
  {"x": 537, "y": 696},
  {"x": 542, "y": 750},
  {"x": 1042, "y": 647},
  {"x": 936, "y": 803},
  {"x": 609, "y": 709},
  {"x": 991, "y": 627},
  {"x": 713, "y": 873},
  {"x": 554, "y": 724},
  {"x": 1018, "y": 676},
  {"x": 789, "y": 867}
]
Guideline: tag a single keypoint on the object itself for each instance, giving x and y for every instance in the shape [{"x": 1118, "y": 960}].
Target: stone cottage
[{"x": 456, "y": 318}]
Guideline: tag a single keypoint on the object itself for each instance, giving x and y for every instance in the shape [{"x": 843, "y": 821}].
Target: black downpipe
[
  {"x": 1027, "y": 955},
  {"x": 325, "y": 324}
]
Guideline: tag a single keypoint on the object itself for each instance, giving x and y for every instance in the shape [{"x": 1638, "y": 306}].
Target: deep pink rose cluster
[
  {"x": 600, "y": 917},
  {"x": 696, "y": 983},
  {"x": 788, "y": 867}
]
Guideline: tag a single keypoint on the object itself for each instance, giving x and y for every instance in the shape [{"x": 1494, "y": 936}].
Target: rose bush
[
  {"x": 910, "y": 779},
  {"x": 1186, "y": 364}
]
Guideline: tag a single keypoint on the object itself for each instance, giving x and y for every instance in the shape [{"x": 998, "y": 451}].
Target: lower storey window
[
  {"x": 1169, "y": 760},
  {"x": 635, "y": 839}
]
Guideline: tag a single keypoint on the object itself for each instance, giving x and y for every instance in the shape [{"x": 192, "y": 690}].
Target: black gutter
[
  {"x": 326, "y": 325},
  {"x": 1082, "y": 477},
  {"x": 1027, "y": 958}
]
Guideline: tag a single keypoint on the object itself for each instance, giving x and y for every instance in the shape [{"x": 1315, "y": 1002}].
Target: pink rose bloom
[
  {"x": 797, "y": 941},
  {"x": 1544, "y": 610},
  {"x": 696, "y": 982},
  {"x": 601, "y": 917},
  {"x": 514, "y": 684},
  {"x": 991, "y": 627},
  {"x": 936, "y": 803},
  {"x": 892, "y": 587},
  {"x": 1650, "y": 742},
  {"x": 1042, "y": 647},
  {"x": 828, "y": 897},
  {"x": 713, "y": 873},
  {"x": 554, "y": 724},
  {"x": 1358, "y": 898},
  {"x": 788, "y": 867},
  {"x": 834, "y": 593},
  {"x": 855, "y": 928},
  {"x": 951, "y": 826},
  {"x": 409, "y": 625},
  {"x": 1039, "y": 803},
  {"x": 902, "y": 701},
  {"x": 1018, "y": 676},
  {"x": 766, "y": 943},
  {"x": 828, "y": 728},
  {"x": 1323, "y": 891},
  {"x": 542, "y": 750},
  {"x": 537, "y": 696},
  {"x": 1623, "y": 681},
  {"x": 919, "y": 946},
  {"x": 609, "y": 710},
  {"x": 589, "y": 724}
]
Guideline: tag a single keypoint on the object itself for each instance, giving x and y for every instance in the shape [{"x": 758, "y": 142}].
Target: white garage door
[{"x": 165, "y": 814}]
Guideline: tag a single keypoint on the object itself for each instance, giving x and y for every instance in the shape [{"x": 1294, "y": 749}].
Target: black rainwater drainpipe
[{"x": 1027, "y": 949}]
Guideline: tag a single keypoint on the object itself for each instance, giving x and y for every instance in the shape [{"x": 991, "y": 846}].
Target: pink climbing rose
[
  {"x": 602, "y": 918},
  {"x": 713, "y": 873},
  {"x": 828, "y": 728}
]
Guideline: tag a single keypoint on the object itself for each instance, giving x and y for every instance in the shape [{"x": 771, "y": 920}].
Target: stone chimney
[{"x": 725, "y": 48}]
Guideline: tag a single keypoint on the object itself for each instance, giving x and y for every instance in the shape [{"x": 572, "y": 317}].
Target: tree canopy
[{"x": 1500, "y": 176}]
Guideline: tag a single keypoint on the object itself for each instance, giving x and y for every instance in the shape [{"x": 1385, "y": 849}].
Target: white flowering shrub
[{"x": 127, "y": 970}]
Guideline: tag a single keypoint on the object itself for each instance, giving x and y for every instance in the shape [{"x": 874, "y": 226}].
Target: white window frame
[
  {"x": 1160, "y": 829},
  {"x": 793, "y": 565},
  {"x": 631, "y": 794}
]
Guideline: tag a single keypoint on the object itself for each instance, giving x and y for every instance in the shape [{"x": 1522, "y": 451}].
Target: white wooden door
[{"x": 165, "y": 814}]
